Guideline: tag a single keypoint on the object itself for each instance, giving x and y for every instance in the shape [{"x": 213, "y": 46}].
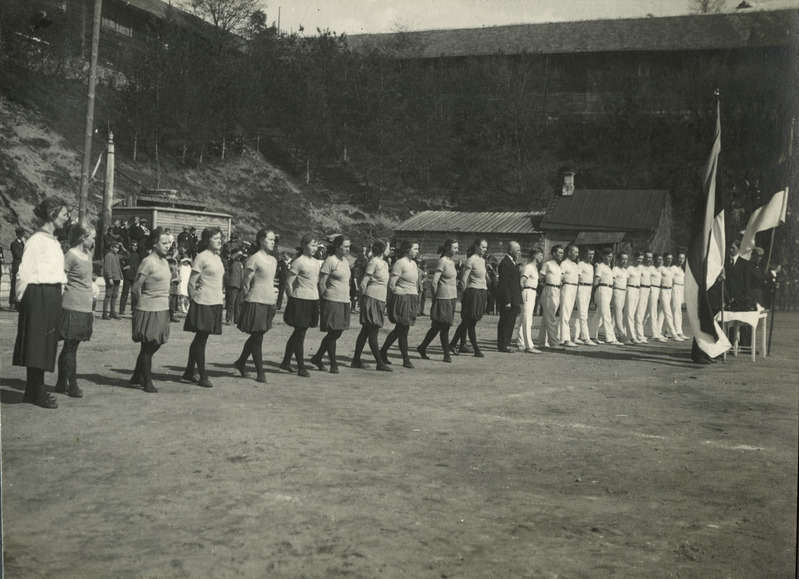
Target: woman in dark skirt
[
  {"x": 473, "y": 278},
  {"x": 205, "y": 303},
  {"x": 76, "y": 308},
  {"x": 445, "y": 296},
  {"x": 258, "y": 310},
  {"x": 151, "y": 315},
  {"x": 334, "y": 306},
  {"x": 403, "y": 303},
  {"x": 38, "y": 294},
  {"x": 302, "y": 310},
  {"x": 373, "y": 288}
]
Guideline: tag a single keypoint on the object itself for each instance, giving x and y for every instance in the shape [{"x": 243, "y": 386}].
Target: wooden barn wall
[{"x": 174, "y": 220}]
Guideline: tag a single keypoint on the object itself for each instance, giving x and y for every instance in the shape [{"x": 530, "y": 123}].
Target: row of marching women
[{"x": 55, "y": 295}]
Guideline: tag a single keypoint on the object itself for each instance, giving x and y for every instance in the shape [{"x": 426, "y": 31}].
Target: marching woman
[
  {"x": 403, "y": 303},
  {"x": 334, "y": 306},
  {"x": 445, "y": 296},
  {"x": 205, "y": 302},
  {"x": 473, "y": 278},
  {"x": 151, "y": 314},
  {"x": 258, "y": 310},
  {"x": 302, "y": 309},
  {"x": 38, "y": 295},
  {"x": 76, "y": 307},
  {"x": 373, "y": 290}
]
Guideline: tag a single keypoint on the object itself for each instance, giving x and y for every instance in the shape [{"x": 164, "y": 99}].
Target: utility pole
[
  {"x": 108, "y": 193},
  {"x": 83, "y": 199}
]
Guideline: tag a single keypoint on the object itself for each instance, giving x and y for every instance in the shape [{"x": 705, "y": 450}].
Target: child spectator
[
  {"x": 95, "y": 292},
  {"x": 174, "y": 288},
  {"x": 184, "y": 272}
]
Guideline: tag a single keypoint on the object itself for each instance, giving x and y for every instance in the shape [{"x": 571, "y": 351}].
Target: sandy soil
[{"x": 627, "y": 462}]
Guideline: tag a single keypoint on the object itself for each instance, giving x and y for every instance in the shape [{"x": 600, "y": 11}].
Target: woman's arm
[
  {"x": 393, "y": 278},
  {"x": 192, "y": 287}
]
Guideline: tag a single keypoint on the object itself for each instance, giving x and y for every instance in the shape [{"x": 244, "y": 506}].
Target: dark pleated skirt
[
  {"x": 443, "y": 311},
  {"x": 151, "y": 326},
  {"x": 474, "y": 304},
  {"x": 402, "y": 309},
  {"x": 301, "y": 313},
  {"x": 202, "y": 318},
  {"x": 37, "y": 327},
  {"x": 334, "y": 316},
  {"x": 256, "y": 318},
  {"x": 372, "y": 312},
  {"x": 75, "y": 325}
]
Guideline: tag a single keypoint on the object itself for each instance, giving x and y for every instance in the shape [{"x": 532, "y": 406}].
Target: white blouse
[{"x": 42, "y": 263}]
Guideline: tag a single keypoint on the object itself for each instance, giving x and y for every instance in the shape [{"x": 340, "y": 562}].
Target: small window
[{"x": 111, "y": 24}]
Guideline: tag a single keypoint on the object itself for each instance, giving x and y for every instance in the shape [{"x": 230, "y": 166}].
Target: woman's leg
[
  {"x": 63, "y": 371},
  {"x": 72, "y": 360},
  {"x": 289, "y": 352},
  {"x": 316, "y": 359},
  {"x": 148, "y": 349},
  {"x": 444, "y": 336},
  {"x": 136, "y": 378},
  {"x": 402, "y": 335},
  {"x": 360, "y": 342},
  {"x": 473, "y": 339},
  {"x": 460, "y": 332},
  {"x": 435, "y": 328},
  {"x": 198, "y": 354},
  {"x": 390, "y": 339},
  {"x": 374, "y": 346},
  {"x": 331, "y": 349},
  {"x": 299, "y": 351},
  {"x": 258, "y": 356},
  {"x": 241, "y": 363}
]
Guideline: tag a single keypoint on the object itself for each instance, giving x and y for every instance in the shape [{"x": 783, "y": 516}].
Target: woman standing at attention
[
  {"x": 373, "y": 290},
  {"x": 302, "y": 310},
  {"x": 404, "y": 301},
  {"x": 151, "y": 315},
  {"x": 258, "y": 310},
  {"x": 445, "y": 296},
  {"x": 473, "y": 278},
  {"x": 38, "y": 294},
  {"x": 205, "y": 302},
  {"x": 76, "y": 303},
  {"x": 334, "y": 289}
]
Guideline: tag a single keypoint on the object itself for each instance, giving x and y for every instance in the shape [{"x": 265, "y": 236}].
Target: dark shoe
[
  {"x": 303, "y": 373},
  {"x": 384, "y": 357},
  {"x": 334, "y": 369},
  {"x": 287, "y": 367},
  {"x": 46, "y": 401},
  {"x": 479, "y": 354},
  {"x": 447, "y": 359},
  {"x": 260, "y": 378},
  {"x": 106, "y": 318},
  {"x": 318, "y": 363},
  {"x": 453, "y": 351},
  {"x": 205, "y": 383},
  {"x": 506, "y": 350},
  {"x": 383, "y": 368},
  {"x": 115, "y": 317},
  {"x": 465, "y": 350},
  {"x": 74, "y": 391},
  {"x": 240, "y": 366},
  {"x": 190, "y": 377},
  {"x": 357, "y": 364},
  {"x": 422, "y": 353},
  {"x": 173, "y": 319},
  {"x": 407, "y": 364},
  {"x": 150, "y": 389},
  {"x": 60, "y": 388}
]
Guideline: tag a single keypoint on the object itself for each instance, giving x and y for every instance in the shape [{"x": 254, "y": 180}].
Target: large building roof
[
  {"x": 518, "y": 222},
  {"x": 606, "y": 210},
  {"x": 745, "y": 29}
]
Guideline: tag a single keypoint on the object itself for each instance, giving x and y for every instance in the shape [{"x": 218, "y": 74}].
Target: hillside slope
[{"x": 35, "y": 160}]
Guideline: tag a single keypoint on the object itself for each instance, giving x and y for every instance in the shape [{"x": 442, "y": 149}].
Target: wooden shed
[
  {"x": 431, "y": 228},
  {"x": 629, "y": 220}
]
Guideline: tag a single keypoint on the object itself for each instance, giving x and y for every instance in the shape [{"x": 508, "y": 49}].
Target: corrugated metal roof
[
  {"x": 606, "y": 210},
  {"x": 523, "y": 222},
  {"x": 746, "y": 29}
]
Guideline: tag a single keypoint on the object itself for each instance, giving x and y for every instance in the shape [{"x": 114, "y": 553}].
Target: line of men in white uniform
[{"x": 631, "y": 300}]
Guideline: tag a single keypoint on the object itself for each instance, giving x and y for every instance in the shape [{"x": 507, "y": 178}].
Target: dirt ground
[{"x": 611, "y": 461}]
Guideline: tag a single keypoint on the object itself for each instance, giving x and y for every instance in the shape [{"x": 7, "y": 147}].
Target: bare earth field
[{"x": 610, "y": 461}]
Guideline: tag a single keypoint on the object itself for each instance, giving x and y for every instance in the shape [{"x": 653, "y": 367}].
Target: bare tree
[
  {"x": 227, "y": 15},
  {"x": 708, "y": 6}
]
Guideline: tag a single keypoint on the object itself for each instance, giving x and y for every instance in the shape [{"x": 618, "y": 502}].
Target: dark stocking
[
  {"x": 473, "y": 336},
  {"x": 390, "y": 339},
  {"x": 360, "y": 342},
  {"x": 299, "y": 347},
  {"x": 402, "y": 335},
  {"x": 256, "y": 346},
  {"x": 197, "y": 354},
  {"x": 374, "y": 344}
]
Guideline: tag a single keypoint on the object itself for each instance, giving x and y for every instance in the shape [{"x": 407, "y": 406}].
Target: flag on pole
[
  {"x": 705, "y": 259},
  {"x": 766, "y": 217}
]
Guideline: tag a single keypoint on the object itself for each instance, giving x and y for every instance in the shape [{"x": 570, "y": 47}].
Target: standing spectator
[
  {"x": 112, "y": 273},
  {"x": 424, "y": 285},
  {"x": 373, "y": 288},
  {"x": 282, "y": 276},
  {"x": 185, "y": 274},
  {"x": 492, "y": 279},
  {"x": 334, "y": 305},
  {"x": 678, "y": 294},
  {"x": 172, "y": 245},
  {"x": 472, "y": 280},
  {"x": 403, "y": 302},
  {"x": 205, "y": 302},
  {"x": 136, "y": 232},
  {"x": 233, "y": 294},
  {"x": 258, "y": 311},
  {"x": 184, "y": 240},
  {"x": 130, "y": 265},
  {"x": 174, "y": 285},
  {"x": 509, "y": 296},
  {"x": 151, "y": 315},
  {"x": 302, "y": 309},
  {"x": 38, "y": 298},
  {"x": 76, "y": 303},
  {"x": 445, "y": 296},
  {"x": 756, "y": 278},
  {"x": 17, "y": 249},
  {"x": 95, "y": 293},
  {"x": 121, "y": 231},
  {"x": 529, "y": 281}
]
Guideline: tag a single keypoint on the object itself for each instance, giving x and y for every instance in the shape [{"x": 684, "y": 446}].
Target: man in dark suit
[
  {"x": 737, "y": 275},
  {"x": 17, "y": 248},
  {"x": 509, "y": 296}
]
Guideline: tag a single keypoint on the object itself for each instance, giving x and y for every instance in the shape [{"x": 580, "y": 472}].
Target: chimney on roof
[{"x": 568, "y": 183}]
